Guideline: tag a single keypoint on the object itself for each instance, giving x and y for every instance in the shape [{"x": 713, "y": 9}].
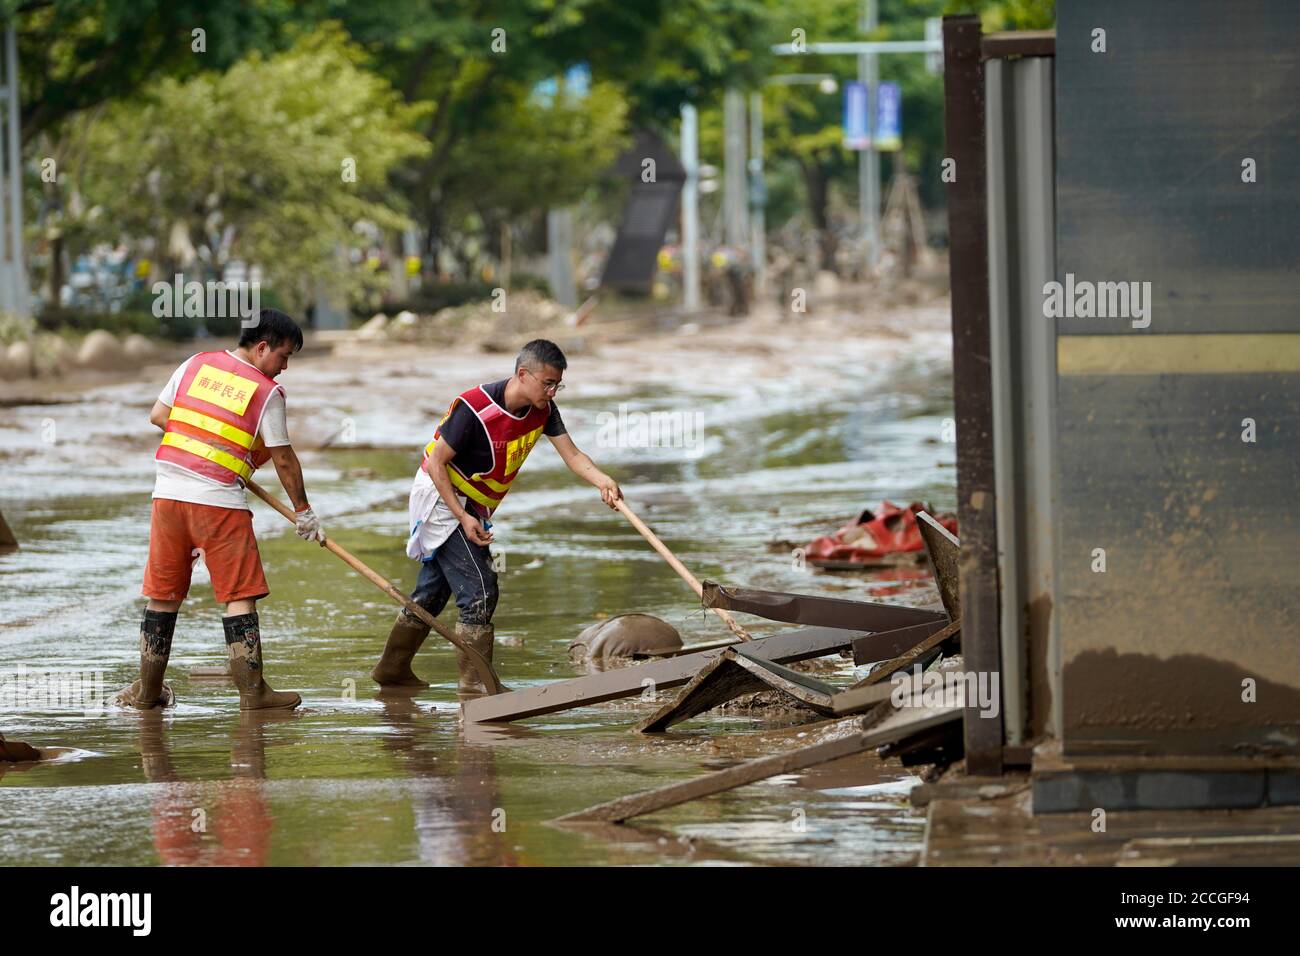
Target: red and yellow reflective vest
[
  {"x": 511, "y": 438},
  {"x": 213, "y": 427}
]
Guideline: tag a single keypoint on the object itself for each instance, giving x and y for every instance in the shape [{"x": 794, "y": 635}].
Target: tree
[
  {"x": 274, "y": 162},
  {"x": 477, "y": 61},
  {"x": 77, "y": 54}
]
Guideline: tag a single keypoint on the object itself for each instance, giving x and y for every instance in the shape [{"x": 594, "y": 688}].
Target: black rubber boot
[
  {"x": 244, "y": 641},
  {"x": 394, "y": 667},
  {"x": 481, "y": 637},
  {"x": 156, "y": 630}
]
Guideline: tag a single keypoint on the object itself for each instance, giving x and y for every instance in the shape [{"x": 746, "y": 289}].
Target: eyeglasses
[{"x": 554, "y": 387}]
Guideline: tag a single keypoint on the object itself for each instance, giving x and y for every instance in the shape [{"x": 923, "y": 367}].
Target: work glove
[{"x": 309, "y": 527}]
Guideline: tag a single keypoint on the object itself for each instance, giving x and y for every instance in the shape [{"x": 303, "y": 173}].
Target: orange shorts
[{"x": 182, "y": 533}]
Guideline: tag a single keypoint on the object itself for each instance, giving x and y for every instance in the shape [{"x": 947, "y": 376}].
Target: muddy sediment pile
[{"x": 497, "y": 324}]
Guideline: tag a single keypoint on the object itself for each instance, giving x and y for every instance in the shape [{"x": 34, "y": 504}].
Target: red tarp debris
[{"x": 876, "y": 537}]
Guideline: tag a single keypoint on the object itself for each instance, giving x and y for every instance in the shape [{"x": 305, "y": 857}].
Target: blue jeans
[{"x": 462, "y": 567}]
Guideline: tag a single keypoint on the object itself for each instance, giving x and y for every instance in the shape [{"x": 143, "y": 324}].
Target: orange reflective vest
[
  {"x": 213, "y": 427},
  {"x": 511, "y": 439}
]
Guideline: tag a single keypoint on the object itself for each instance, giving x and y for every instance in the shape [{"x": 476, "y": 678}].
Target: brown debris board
[
  {"x": 907, "y": 657},
  {"x": 943, "y": 551},
  {"x": 7, "y": 540},
  {"x": 800, "y": 645},
  {"x": 886, "y": 645},
  {"x": 899, "y": 724},
  {"x": 814, "y": 611}
]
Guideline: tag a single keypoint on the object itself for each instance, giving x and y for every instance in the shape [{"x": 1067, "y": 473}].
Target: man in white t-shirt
[{"x": 222, "y": 415}]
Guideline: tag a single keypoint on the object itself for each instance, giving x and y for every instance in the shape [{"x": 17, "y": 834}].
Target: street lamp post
[
  {"x": 866, "y": 52},
  {"x": 690, "y": 209},
  {"x": 869, "y": 159}
]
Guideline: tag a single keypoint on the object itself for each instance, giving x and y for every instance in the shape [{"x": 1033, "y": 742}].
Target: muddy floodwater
[{"x": 802, "y": 426}]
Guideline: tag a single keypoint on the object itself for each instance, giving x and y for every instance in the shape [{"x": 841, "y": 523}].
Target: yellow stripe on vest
[
  {"x": 455, "y": 476},
  {"x": 204, "y": 450},
  {"x": 469, "y": 490},
  {"x": 494, "y": 485},
  {"x": 214, "y": 425}
]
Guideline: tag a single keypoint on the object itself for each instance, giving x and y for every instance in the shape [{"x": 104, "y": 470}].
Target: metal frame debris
[
  {"x": 549, "y": 698},
  {"x": 815, "y": 611},
  {"x": 898, "y": 725}
]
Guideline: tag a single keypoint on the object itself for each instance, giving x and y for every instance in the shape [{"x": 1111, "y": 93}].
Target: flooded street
[{"x": 801, "y": 430}]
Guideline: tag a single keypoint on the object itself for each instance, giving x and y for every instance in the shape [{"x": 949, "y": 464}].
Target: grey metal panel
[
  {"x": 1023, "y": 355},
  {"x": 1200, "y": 529},
  {"x": 1201, "y": 534},
  {"x": 1035, "y": 78},
  {"x": 1152, "y": 135},
  {"x": 999, "y": 130}
]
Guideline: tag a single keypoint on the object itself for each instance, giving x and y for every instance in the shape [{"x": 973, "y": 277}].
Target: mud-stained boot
[
  {"x": 394, "y": 667},
  {"x": 15, "y": 751},
  {"x": 156, "y": 630},
  {"x": 244, "y": 641},
  {"x": 481, "y": 638}
]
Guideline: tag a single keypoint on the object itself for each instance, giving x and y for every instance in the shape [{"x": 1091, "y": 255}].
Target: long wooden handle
[
  {"x": 677, "y": 566},
  {"x": 485, "y": 672}
]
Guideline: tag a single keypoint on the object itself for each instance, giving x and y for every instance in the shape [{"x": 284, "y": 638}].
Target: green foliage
[
  {"x": 998, "y": 15},
  {"x": 15, "y": 328},
  {"x": 696, "y": 50},
  {"x": 77, "y": 54},
  {"x": 525, "y": 151},
  {"x": 256, "y": 156},
  {"x": 121, "y": 323},
  {"x": 237, "y": 150},
  {"x": 495, "y": 155}
]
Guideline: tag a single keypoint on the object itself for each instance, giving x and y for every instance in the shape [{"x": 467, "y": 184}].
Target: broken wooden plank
[
  {"x": 943, "y": 550},
  {"x": 902, "y": 723},
  {"x": 800, "y": 645},
  {"x": 886, "y": 645},
  {"x": 815, "y": 611}
]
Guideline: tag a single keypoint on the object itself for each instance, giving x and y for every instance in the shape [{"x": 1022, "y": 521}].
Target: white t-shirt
[{"x": 181, "y": 484}]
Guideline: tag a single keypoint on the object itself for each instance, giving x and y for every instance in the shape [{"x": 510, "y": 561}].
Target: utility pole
[
  {"x": 869, "y": 159},
  {"x": 14, "y": 296},
  {"x": 690, "y": 144},
  {"x": 758, "y": 195}
]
